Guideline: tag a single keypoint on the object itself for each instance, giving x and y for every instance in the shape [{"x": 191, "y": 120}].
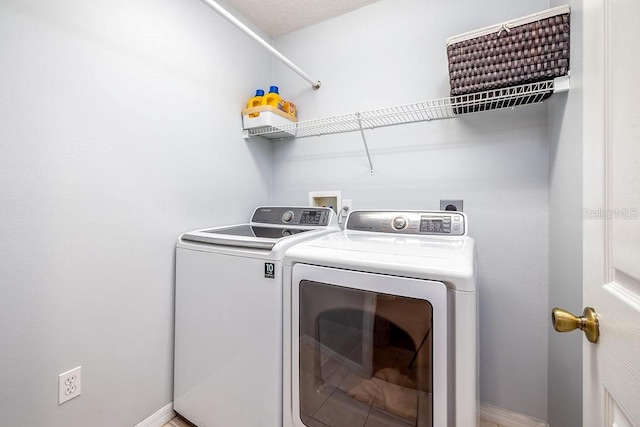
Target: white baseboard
[
  {"x": 159, "y": 418},
  {"x": 507, "y": 418}
]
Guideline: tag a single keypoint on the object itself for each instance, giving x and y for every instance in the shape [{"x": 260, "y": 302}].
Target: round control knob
[
  {"x": 287, "y": 216},
  {"x": 286, "y": 233},
  {"x": 399, "y": 223}
]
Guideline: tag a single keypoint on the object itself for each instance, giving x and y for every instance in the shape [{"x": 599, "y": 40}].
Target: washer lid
[
  {"x": 269, "y": 225},
  {"x": 244, "y": 235}
]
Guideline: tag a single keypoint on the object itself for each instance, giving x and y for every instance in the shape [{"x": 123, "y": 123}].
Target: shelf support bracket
[
  {"x": 561, "y": 84},
  {"x": 364, "y": 140}
]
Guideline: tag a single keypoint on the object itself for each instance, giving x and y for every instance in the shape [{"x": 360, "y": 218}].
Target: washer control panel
[
  {"x": 399, "y": 223},
  {"x": 442, "y": 223},
  {"x": 282, "y": 215}
]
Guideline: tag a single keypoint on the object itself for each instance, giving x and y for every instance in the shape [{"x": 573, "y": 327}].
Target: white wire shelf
[{"x": 443, "y": 108}]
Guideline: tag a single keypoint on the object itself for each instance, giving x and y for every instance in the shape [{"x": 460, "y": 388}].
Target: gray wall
[
  {"x": 119, "y": 129},
  {"x": 392, "y": 53},
  {"x": 565, "y": 237}
]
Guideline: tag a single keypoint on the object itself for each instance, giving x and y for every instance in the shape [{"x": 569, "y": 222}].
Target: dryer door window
[{"x": 367, "y": 356}]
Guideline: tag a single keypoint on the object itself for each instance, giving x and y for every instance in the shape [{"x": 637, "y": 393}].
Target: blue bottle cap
[
  {"x": 259, "y": 92},
  {"x": 273, "y": 89}
]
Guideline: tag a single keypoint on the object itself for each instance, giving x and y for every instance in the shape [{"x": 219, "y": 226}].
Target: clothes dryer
[
  {"x": 228, "y": 316},
  {"x": 380, "y": 324}
]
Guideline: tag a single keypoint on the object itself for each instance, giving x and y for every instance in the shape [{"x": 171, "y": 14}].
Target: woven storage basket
[{"x": 530, "y": 49}]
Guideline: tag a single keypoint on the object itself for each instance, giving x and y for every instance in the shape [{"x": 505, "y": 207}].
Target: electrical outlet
[
  {"x": 451, "y": 205},
  {"x": 69, "y": 385}
]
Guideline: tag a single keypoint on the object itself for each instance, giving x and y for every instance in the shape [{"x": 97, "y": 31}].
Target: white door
[{"x": 611, "y": 252}]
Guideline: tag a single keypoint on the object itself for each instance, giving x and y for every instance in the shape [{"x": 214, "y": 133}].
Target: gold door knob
[{"x": 563, "y": 321}]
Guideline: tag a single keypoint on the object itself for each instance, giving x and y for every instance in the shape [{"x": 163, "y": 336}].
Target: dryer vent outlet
[{"x": 451, "y": 205}]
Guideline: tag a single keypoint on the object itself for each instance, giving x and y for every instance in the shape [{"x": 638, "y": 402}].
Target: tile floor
[{"x": 179, "y": 422}]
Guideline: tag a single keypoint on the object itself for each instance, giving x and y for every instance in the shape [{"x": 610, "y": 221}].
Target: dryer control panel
[{"x": 442, "y": 223}]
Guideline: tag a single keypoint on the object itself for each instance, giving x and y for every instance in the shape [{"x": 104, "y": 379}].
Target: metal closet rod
[{"x": 229, "y": 17}]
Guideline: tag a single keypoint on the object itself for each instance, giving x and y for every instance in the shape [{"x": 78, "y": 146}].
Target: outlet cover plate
[{"x": 69, "y": 385}]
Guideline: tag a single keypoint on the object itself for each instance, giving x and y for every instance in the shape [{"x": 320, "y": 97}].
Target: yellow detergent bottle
[
  {"x": 273, "y": 99},
  {"x": 256, "y": 101}
]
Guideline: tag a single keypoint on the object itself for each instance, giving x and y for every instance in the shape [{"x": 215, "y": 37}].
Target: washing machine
[
  {"x": 228, "y": 316},
  {"x": 380, "y": 324}
]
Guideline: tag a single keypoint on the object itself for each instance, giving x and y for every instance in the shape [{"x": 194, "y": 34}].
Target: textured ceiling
[{"x": 278, "y": 17}]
